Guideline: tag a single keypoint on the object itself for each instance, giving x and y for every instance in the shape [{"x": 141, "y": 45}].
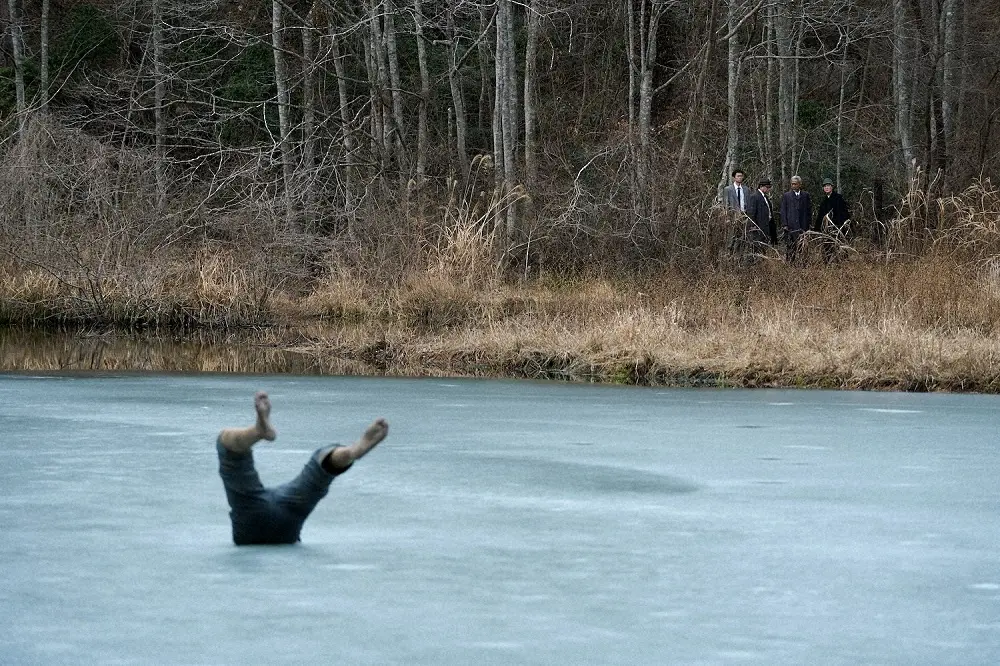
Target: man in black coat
[
  {"x": 833, "y": 219},
  {"x": 796, "y": 214},
  {"x": 759, "y": 218}
]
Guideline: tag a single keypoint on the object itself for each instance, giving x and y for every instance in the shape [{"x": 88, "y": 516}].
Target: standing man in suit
[
  {"x": 735, "y": 194},
  {"x": 734, "y": 197},
  {"x": 796, "y": 216},
  {"x": 759, "y": 218}
]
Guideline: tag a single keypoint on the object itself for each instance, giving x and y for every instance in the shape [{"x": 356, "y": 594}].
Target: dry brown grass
[
  {"x": 926, "y": 325},
  {"x": 213, "y": 291},
  {"x": 920, "y": 325}
]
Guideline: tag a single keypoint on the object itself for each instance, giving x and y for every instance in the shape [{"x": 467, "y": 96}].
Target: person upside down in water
[{"x": 262, "y": 515}]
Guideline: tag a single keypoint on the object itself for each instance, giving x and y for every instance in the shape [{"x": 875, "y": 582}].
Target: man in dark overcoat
[
  {"x": 759, "y": 219},
  {"x": 832, "y": 219},
  {"x": 796, "y": 215}
]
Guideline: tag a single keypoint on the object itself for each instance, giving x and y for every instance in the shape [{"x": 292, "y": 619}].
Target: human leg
[
  {"x": 303, "y": 493},
  {"x": 341, "y": 457},
  {"x": 239, "y": 440},
  {"x": 244, "y": 490},
  {"x": 248, "y": 499}
]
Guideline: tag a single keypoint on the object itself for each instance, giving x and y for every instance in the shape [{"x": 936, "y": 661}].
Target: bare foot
[
  {"x": 343, "y": 456},
  {"x": 263, "y": 406},
  {"x": 373, "y": 434},
  {"x": 240, "y": 440}
]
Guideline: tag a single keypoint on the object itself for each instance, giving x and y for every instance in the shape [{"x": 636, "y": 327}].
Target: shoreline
[
  {"x": 322, "y": 350},
  {"x": 922, "y": 325}
]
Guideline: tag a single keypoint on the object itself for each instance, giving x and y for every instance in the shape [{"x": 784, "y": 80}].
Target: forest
[{"x": 438, "y": 165}]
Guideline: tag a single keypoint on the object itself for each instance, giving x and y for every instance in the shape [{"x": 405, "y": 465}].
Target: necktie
[{"x": 739, "y": 196}]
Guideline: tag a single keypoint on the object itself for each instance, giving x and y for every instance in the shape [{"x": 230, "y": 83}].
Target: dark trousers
[
  {"x": 793, "y": 245},
  {"x": 270, "y": 515}
]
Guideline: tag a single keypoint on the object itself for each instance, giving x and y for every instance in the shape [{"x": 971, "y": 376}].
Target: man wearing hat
[
  {"x": 833, "y": 219},
  {"x": 759, "y": 219}
]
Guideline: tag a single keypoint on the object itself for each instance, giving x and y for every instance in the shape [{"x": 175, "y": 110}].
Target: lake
[{"x": 501, "y": 522}]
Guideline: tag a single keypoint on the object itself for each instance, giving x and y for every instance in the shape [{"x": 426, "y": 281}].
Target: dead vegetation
[{"x": 920, "y": 311}]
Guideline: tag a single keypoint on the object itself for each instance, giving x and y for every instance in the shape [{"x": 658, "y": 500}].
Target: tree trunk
[
  {"x": 159, "y": 94},
  {"x": 308, "y": 114},
  {"x": 379, "y": 75},
  {"x": 786, "y": 89},
  {"x": 643, "y": 52},
  {"x": 506, "y": 127},
  {"x": 457, "y": 98},
  {"x": 347, "y": 129},
  {"x": 733, "y": 66},
  {"x": 530, "y": 114},
  {"x": 505, "y": 110},
  {"x": 771, "y": 143},
  {"x": 901, "y": 61},
  {"x": 396, "y": 91},
  {"x": 483, "y": 47},
  {"x": 647, "y": 60},
  {"x": 17, "y": 45},
  {"x": 281, "y": 85},
  {"x": 637, "y": 176},
  {"x": 796, "y": 95},
  {"x": 43, "y": 73},
  {"x": 425, "y": 92},
  {"x": 376, "y": 128},
  {"x": 950, "y": 18},
  {"x": 695, "y": 117},
  {"x": 840, "y": 108}
]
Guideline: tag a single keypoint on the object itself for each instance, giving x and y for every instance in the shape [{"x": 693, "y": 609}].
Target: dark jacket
[
  {"x": 835, "y": 205},
  {"x": 796, "y": 211},
  {"x": 759, "y": 212}
]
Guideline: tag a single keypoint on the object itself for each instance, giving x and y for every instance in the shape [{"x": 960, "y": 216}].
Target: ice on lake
[{"x": 502, "y": 523}]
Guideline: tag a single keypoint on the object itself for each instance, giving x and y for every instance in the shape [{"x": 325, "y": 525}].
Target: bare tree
[
  {"x": 642, "y": 27},
  {"x": 506, "y": 129},
  {"x": 159, "y": 95},
  {"x": 456, "y": 56},
  {"x": 951, "y": 17},
  {"x": 696, "y": 114},
  {"x": 396, "y": 90},
  {"x": 281, "y": 85},
  {"x": 349, "y": 142},
  {"x": 530, "y": 93},
  {"x": 735, "y": 14},
  {"x": 901, "y": 82},
  {"x": 43, "y": 56},
  {"x": 784, "y": 43},
  {"x": 840, "y": 107},
  {"x": 309, "y": 104},
  {"x": 425, "y": 91},
  {"x": 17, "y": 45}
]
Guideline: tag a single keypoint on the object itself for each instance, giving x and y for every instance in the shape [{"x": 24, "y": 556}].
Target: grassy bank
[{"x": 930, "y": 324}]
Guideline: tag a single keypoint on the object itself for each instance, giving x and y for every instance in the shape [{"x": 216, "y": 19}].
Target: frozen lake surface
[{"x": 502, "y": 523}]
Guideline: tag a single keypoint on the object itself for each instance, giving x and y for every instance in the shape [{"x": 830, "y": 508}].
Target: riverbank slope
[{"x": 921, "y": 325}]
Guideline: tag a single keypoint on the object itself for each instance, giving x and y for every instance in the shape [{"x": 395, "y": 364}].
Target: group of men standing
[{"x": 795, "y": 214}]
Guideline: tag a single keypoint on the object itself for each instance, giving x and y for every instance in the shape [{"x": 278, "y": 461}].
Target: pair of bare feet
[{"x": 241, "y": 440}]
